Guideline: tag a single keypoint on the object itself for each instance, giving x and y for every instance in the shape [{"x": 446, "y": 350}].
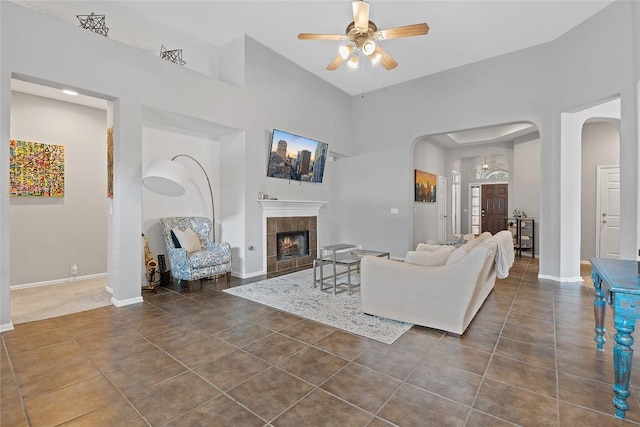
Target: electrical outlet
[{"x": 74, "y": 269}]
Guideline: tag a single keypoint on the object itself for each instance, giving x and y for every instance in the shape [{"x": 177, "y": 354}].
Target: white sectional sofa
[{"x": 444, "y": 297}]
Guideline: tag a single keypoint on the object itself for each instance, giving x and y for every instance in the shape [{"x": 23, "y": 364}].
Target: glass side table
[{"x": 342, "y": 254}]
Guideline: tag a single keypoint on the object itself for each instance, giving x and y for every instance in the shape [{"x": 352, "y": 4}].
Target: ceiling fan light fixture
[
  {"x": 345, "y": 51},
  {"x": 364, "y": 36},
  {"x": 353, "y": 61},
  {"x": 369, "y": 47}
]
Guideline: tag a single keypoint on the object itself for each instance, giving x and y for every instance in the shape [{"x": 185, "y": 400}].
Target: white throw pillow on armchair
[{"x": 188, "y": 239}]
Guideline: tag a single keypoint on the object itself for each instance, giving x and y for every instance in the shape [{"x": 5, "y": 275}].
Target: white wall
[
  {"x": 50, "y": 234},
  {"x": 600, "y": 147},
  {"x": 133, "y": 27},
  {"x": 526, "y": 177},
  {"x": 526, "y": 183},
  {"x": 430, "y": 158},
  {"x": 281, "y": 95}
]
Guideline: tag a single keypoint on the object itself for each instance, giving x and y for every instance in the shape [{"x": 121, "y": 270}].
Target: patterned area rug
[{"x": 295, "y": 294}]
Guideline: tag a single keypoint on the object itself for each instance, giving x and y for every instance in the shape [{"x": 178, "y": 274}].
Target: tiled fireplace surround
[
  {"x": 285, "y": 216},
  {"x": 284, "y": 224}
]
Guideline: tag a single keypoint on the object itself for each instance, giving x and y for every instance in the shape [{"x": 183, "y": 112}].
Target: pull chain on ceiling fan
[{"x": 364, "y": 35}]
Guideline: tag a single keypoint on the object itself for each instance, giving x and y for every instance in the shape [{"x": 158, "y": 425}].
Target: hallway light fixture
[
  {"x": 485, "y": 165},
  {"x": 170, "y": 178}
]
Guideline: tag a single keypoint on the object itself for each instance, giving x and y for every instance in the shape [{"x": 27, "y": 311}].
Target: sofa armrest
[{"x": 212, "y": 246}]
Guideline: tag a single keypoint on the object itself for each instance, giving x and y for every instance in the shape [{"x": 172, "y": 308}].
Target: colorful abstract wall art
[
  {"x": 36, "y": 169},
  {"x": 110, "y": 163},
  {"x": 425, "y": 186}
]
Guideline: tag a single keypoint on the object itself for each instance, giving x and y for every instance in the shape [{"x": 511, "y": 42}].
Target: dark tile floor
[{"x": 211, "y": 359}]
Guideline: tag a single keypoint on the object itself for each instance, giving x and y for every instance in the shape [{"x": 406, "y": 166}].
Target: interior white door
[
  {"x": 608, "y": 212},
  {"x": 441, "y": 198}
]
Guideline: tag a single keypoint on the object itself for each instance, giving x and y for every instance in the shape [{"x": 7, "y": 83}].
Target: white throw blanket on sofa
[{"x": 504, "y": 254}]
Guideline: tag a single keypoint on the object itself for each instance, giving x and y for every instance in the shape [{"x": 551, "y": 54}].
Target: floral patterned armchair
[{"x": 208, "y": 259}]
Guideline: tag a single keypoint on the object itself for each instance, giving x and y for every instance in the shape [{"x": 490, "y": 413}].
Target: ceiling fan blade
[
  {"x": 311, "y": 36},
  {"x": 361, "y": 14},
  {"x": 335, "y": 63},
  {"x": 387, "y": 62},
  {"x": 406, "y": 31}
]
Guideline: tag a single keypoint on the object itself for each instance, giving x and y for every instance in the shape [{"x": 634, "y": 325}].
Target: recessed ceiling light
[{"x": 69, "y": 92}]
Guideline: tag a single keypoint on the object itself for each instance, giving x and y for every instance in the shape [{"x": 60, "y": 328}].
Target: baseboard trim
[
  {"x": 124, "y": 302},
  {"x": 249, "y": 275},
  {"x": 560, "y": 279},
  {"x": 6, "y": 327},
  {"x": 58, "y": 281}
]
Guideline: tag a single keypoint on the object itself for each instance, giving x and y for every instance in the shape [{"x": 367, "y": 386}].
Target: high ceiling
[{"x": 461, "y": 32}]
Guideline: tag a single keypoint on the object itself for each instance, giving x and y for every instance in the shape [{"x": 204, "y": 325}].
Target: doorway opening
[
  {"x": 507, "y": 153},
  {"x": 67, "y": 234}
]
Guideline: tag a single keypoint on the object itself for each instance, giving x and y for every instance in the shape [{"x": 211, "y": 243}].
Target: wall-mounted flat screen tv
[{"x": 296, "y": 158}]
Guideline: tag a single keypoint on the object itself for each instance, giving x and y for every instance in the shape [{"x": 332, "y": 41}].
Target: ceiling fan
[{"x": 364, "y": 35}]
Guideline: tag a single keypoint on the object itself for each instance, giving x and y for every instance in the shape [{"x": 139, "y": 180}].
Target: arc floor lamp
[{"x": 170, "y": 178}]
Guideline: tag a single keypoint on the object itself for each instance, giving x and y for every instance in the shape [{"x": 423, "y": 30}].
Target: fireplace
[
  {"x": 292, "y": 244},
  {"x": 283, "y": 216}
]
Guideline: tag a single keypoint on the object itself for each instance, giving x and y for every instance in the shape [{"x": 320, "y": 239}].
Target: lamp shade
[{"x": 166, "y": 177}]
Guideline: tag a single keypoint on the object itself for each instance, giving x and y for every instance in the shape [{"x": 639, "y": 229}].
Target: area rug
[{"x": 295, "y": 294}]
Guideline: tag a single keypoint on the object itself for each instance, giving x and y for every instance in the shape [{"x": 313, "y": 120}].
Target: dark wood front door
[{"x": 495, "y": 198}]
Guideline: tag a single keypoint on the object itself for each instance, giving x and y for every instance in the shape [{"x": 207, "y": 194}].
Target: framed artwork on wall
[
  {"x": 36, "y": 169},
  {"x": 110, "y": 162},
  {"x": 425, "y": 186}
]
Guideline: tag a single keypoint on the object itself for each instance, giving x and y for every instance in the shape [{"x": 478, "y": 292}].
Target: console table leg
[
  {"x": 598, "y": 311},
  {"x": 622, "y": 360}
]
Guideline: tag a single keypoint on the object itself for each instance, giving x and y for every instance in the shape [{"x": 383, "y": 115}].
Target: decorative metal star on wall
[
  {"x": 93, "y": 23},
  {"x": 174, "y": 56}
]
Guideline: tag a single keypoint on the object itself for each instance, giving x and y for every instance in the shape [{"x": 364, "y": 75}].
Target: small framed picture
[{"x": 425, "y": 186}]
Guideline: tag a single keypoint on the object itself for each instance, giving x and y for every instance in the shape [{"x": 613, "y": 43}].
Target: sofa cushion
[
  {"x": 475, "y": 242},
  {"x": 427, "y": 247},
  {"x": 457, "y": 255},
  {"x": 432, "y": 258},
  {"x": 188, "y": 239},
  {"x": 204, "y": 259},
  {"x": 483, "y": 236},
  {"x": 472, "y": 244}
]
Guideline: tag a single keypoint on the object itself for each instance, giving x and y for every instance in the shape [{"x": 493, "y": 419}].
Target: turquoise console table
[{"x": 617, "y": 283}]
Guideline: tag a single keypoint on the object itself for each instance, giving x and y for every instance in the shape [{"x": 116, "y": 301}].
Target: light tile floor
[
  {"x": 212, "y": 359},
  {"x": 42, "y": 302}
]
